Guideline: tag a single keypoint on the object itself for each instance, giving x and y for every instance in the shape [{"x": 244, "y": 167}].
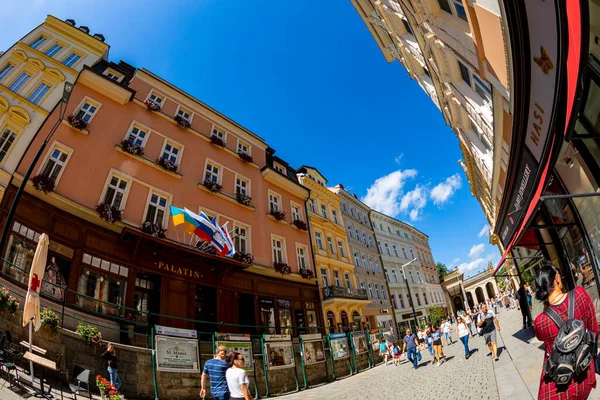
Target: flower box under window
[
  {"x": 77, "y": 122},
  {"x": 167, "y": 164},
  {"x": 182, "y": 122},
  {"x": 298, "y": 223},
  {"x": 214, "y": 139},
  {"x": 306, "y": 273},
  {"x": 154, "y": 229},
  {"x": 246, "y": 258},
  {"x": 132, "y": 148},
  {"x": 245, "y": 157},
  {"x": 278, "y": 215},
  {"x": 109, "y": 213},
  {"x": 151, "y": 105},
  {"x": 212, "y": 186},
  {"x": 43, "y": 183},
  {"x": 244, "y": 199},
  {"x": 282, "y": 268}
]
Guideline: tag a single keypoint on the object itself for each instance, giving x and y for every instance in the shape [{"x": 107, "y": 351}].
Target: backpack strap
[
  {"x": 554, "y": 317},
  {"x": 571, "y": 295}
]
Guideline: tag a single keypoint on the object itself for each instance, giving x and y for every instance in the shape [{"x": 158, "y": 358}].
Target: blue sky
[{"x": 308, "y": 77}]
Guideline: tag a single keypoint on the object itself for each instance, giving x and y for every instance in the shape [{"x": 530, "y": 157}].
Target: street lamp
[
  {"x": 412, "y": 304},
  {"x": 68, "y": 88}
]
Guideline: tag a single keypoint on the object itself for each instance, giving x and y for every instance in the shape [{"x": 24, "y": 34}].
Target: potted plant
[
  {"x": 12, "y": 306},
  {"x": 154, "y": 229},
  {"x": 306, "y": 273},
  {"x": 214, "y": 139},
  {"x": 43, "y": 183},
  {"x": 130, "y": 147},
  {"x": 278, "y": 215},
  {"x": 298, "y": 223},
  {"x": 245, "y": 156},
  {"x": 49, "y": 319},
  {"x": 104, "y": 386},
  {"x": 243, "y": 257},
  {"x": 89, "y": 334},
  {"x": 77, "y": 122},
  {"x": 167, "y": 164},
  {"x": 109, "y": 213},
  {"x": 212, "y": 186},
  {"x": 151, "y": 105},
  {"x": 243, "y": 199},
  {"x": 4, "y": 295},
  {"x": 182, "y": 122},
  {"x": 282, "y": 268}
]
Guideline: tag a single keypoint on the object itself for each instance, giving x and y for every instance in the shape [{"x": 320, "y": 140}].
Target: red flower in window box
[
  {"x": 245, "y": 157},
  {"x": 214, "y": 139},
  {"x": 278, "y": 215},
  {"x": 298, "y": 223},
  {"x": 43, "y": 183},
  {"x": 182, "y": 122},
  {"x": 109, "y": 213},
  {"x": 243, "y": 199},
  {"x": 153, "y": 229},
  {"x": 282, "y": 268},
  {"x": 243, "y": 257},
  {"x": 306, "y": 273},
  {"x": 212, "y": 186},
  {"x": 77, "y": 122},
  {"x": 151, "y": 105},
  {"x": 132, "y": 148},
  {"x": 167, "y": 164}
]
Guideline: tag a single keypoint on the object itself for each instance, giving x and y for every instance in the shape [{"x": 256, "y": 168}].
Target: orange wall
[
  {"x": 492, "y": 39},
  {"x": 94, "y": 155}
]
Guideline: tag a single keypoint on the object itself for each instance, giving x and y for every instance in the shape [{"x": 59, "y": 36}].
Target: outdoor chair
[
  {"x": 8, "y": 353},
  {"x": 81, "y": 382}
]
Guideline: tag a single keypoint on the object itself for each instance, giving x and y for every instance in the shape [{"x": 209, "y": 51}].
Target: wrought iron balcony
[{"x": 333, "y": 292}]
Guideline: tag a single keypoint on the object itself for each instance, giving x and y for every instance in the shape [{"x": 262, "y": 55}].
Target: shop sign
[
  {"x": 279, "y": 354},
  {"x": 168, "y": 331},
  {"x": 359, "y": 340},
  {"x": 313, "y": 351},
  {"x": 272, "y": 338},
  {"x": 338, "y": 344},
  {"x": 179, "y": 271},
  {"x": 176, "y": 354},
  {"x": 312, "y": 336}
]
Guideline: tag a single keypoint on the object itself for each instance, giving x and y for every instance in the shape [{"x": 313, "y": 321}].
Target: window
[
  {"x": 418, "y": 299},
  {"x": 425, "y": 298},
  {"x": 19, "y": 82},
  {"x": 371, "y": 242},
  {"x": 347, "y": 279},
  {"x": 364, "y": 262},
  {"x": 364, "y": 236},
  {"x": 357, "y": 234},
  {"x": 380, "y": 227},
  {"x": 274, "y": 202},
  {"x": 395, "y": 275},
  {"x": 6, "y": 140},
  {"x": 319, "y": 240},
  {"x": 419, "y": 277},
  {"x": 116, "y": 192},
  {"x": 464, "y": 73},
  {"x": 55, "y": 163},
  {"x": 325, "y": 277},
  {"x": 407, "y": 26},
  {"x": 156, "y": 99},
  {"x": 404, "y": 252},
  {"x": 156, "y": 209},
  {"x": 301, "y": 256},
  {"x": 389, "y": 229},
  {"x": 172, "y": 152},
  {"x": 296, "y": 215},
  {"x": 412, "y": 278},
  {"x": 400, "y": 297},
  {"x": 218, "y": 133},
  {"x": 55, "y": 48},
  {"x": 242, "y": 186},
  {"x": 345, "y": 207},
  {"x": 356, "y": 259},
  {"x": 71, "y": 59},
  {"x": 444, "y": 5},
  {"x": 278, "y": 254},
  {"x": 383, "y": 293},
  {"x": 412, "y": 254},
  {"x": 362, "y": 284},
  {"x": 311, "y": 205},
  {"x": 241, "y": 238},
  {"x": 280, "y": 168},
  {"x": 37, "y": 42},
  {"x": 341, "y": 248},
  {"x": 376, "y": 292},
  {"x": 39, "y": 93},
  {"x": 387, "y": 249},
  {"x": 371, "y": 263},
  {"x": 460, "y": 10},
  {"x": 350, "y": 231},
  {"x": 334, "y": 216},
  {"x": 370, "y": 291},
  {"x": 184, "y": 114},
  {"x": 5, "y": 71},
  {"x": 324, "y": 210},
  {"x": 137, "y": 135},
  {"x": 406, "y": 235},
  {"x": 212, "y": 173},
  {"x": 330, "y": 244},
  {"x": 87, "y": 111},
  {"x": 113, "y": 75},
  {"x": 395, "y": 250},
  {"x": 243, "y": 147},
  {"x": 336, "y": 278},
  {"x": 482, "y": 89}
]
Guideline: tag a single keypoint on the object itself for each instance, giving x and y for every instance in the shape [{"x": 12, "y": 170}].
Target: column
[{"x": 464, "y": 294}]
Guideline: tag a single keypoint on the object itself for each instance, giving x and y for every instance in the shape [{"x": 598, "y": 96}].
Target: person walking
[
  {"x": 488, "y": 322},
  {"x": 383, "y": 351},
  {"x": 429, "y": 341},
  {"x": 446, "y": 327},
  {"x": 467, "y": 320},
  {"x": 524, "y": 307},
  {"x": 436, "y": 338},
  {"x": 214, "y": 370},
  {"x": 237, "y": 378},
  {"x": 396, "y": 353},
  {"x": 549, "y": 289},
  {"x": 110, "y": 354},
  {"x": 410, "y": 347},
  {"x": 464, "y": 333}
]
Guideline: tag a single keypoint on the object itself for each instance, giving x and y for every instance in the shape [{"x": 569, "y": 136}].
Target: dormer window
[
  {"x": 280, "y": 168},
  {"x": 113, "y": 75}
]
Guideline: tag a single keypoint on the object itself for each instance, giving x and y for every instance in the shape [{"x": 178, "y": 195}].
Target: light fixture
[{"x": 569, "y": 161}]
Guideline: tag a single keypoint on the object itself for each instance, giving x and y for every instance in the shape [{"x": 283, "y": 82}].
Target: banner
[
  {"x": 375, "y": 337},
  {"x": 338, "y": 346},
  {"x": 313, "y": 351},
  {"x": 279, "y": 354},
  {"x": 184, "y": 333},
  {"x": 177, "y": 355},
  {"x": 360, "y": 342}
]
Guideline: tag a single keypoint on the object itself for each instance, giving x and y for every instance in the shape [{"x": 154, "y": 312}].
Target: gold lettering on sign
[
  {"x": 544, "y": 61},
  {"x": 536, "y": 132},
  {"x": 178, "y": 270}
]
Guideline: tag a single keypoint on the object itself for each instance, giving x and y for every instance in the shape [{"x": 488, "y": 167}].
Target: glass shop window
[
  {"x": 285, "y": 316},
  {"x": 267, "y": 314}
]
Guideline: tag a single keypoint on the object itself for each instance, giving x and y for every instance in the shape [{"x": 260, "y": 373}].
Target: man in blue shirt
[
  {"x": 410, "y": 345},
  {"x": 215, "y": 370}
]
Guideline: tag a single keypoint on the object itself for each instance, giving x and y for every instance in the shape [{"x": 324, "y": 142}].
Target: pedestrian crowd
[{"x": 228, "y": 379}]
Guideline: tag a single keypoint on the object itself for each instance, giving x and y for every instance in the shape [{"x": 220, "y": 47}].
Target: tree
[
  {"x": 441, "y": 269},
  {"x": 437, "y": 314}
]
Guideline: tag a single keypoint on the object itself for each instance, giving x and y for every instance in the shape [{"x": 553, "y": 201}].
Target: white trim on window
[
  {"x": 275, "y": 201},
  {"x": 237, "y": 238},
  {"x": 242, "y": 179},
  {"x": 214, "y": 165},
  {"x": 219, "y": 132},
  {"x": 157, "y": 95},
  {"x": 113, "y": 75},
  {"x": 302, "y": 254},
  {"x": 125, "y": 192},
  {"x": 182, "y": 110},
  {"x": 241, "y": 144},
  {"x": 168, "y": 148},
  {"x": 139, "y": 139},
  {"x": 91, "y": 111},
  {"x": 300, "y": 214},
  {"x": 278, "y": 251},
  {"x": 58, "y": 161},
  {"x": 159, "y": 206}
]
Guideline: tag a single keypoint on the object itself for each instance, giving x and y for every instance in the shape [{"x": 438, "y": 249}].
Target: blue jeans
[
  {"x": 430, "y": 348},
  {"x": 412, "y": 356},
  {"x": 465, "y": 342},
  {"x": 115, "y": 379},
  {"x": 222, "y": 397}
]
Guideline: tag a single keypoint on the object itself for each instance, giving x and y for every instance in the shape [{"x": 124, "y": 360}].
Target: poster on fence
[
  {"x": 279, "y": 355},
  {"x": 375, "y": 339},
  {"x": 338, "y": 343},
  {"x": 177, "y": 354},
  {"x": 313, "y": 351},
  {"x": 237, "y": 343},
  {"x": 360, "y": 342}
]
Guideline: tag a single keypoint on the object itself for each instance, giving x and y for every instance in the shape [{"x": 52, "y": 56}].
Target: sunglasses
[{"x": 241, "y": 359}]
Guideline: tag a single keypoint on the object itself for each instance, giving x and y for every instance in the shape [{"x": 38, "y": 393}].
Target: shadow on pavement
[{"x": 524, "y": 335}]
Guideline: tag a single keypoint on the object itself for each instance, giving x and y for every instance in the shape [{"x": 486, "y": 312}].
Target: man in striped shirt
[{"x": 215, "y": 370}]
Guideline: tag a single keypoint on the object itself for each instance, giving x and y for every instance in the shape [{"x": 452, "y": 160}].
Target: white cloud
[
  {"x": 442, "y": 192},
  {"x": 473, "y": 265},
  {"x": 455, "y": 261},
  {"x": 399, "y": 158},
  {"x": 414, "y": 201},
  {"x": 485, "y": 231},
  {"x": 476, "y": 250},
  {"x": 385, "y": 193}
]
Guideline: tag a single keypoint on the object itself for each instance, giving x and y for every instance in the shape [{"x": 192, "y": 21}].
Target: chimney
[
  {"x": 84, "y": 29},
  {"x": 70, "y": 22}
]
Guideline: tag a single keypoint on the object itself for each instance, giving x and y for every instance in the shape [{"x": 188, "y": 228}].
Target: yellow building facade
[{"x": 341, "y": 297}]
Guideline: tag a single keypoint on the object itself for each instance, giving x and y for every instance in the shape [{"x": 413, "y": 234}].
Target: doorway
[
  {"x": 206, "y": 311},
  {"x": 246, "y": 312}
]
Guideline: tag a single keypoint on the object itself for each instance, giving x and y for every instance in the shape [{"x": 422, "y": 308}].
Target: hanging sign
[
  {"x": 177, "y": 354},
  {"x": 184, "y": 333},
  {"x": 338, "y": 343},
  {"x": 359, "y": 341},
  {"x": 271, "y": 338},
  {"x": 313, "y": 351},
  {"x": 237, "y": 343}
]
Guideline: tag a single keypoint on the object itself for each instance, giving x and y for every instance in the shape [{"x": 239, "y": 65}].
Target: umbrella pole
[{"x": 31, "y": 351}]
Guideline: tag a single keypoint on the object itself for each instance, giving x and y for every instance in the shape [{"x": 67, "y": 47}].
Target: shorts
[
  {"x": 396, "y": 356},
  {"x": 437, "y": 342},
  {"x": 446, "y": 335},
  {"x": 490, "y": 337}
]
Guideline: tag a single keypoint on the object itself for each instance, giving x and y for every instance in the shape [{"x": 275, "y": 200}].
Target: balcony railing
[{"x": 333, "y": 292}]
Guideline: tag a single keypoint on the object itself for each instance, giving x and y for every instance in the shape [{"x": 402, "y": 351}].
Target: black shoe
[{"x": 467, "y": 356}]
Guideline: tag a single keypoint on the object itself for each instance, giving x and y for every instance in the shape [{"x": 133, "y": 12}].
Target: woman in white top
[
  {"x": 463, "y": 333},
  {"x": 468, "y": 321},
  {"x": 237, "y": 378}
]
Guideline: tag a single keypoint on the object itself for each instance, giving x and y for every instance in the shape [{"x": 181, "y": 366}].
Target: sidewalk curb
[{"x": 509, "y": 381}]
